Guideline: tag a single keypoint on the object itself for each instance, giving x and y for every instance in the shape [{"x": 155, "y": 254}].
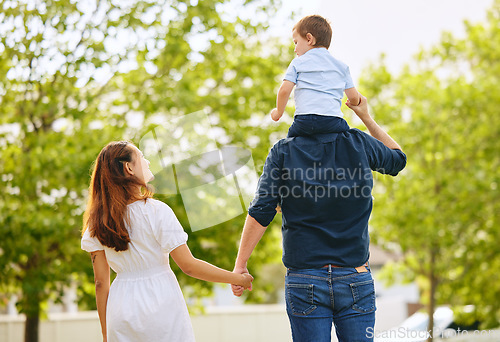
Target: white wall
[
  {"x": 219, "y": 324},
  {"x": 59, "y": 327},
  {"x": 245, "y": 323}
]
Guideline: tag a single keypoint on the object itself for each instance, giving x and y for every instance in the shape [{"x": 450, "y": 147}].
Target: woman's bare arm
[
  {"x": 203, "y": 270},
  {"x": 102, "y": 281}
]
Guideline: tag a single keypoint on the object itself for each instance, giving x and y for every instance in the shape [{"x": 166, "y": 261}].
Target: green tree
[
  {"x": 233, "y": 77},
  {"x": 53, "y": 54},
  {"x": 442, "y": 212},
  {"x": 73, "y": 76}
]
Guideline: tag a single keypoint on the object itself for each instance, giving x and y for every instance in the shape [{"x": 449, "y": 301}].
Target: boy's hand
[
  {"x": 275, "y": 115},
  {"x": 247, "y": 281},
  {"x": 361, "y": 109}
]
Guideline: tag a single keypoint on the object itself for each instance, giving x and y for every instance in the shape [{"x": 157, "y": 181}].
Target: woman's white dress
[{"x": 145, "y": 301}]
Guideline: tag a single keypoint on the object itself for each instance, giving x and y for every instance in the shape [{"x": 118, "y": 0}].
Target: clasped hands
[{"x": 237, "y": 289}]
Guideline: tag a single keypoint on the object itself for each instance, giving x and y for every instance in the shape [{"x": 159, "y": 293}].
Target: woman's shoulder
[
  {"x": 153, "y": 210},
  {"x": 151, "y": 204},
  {"x": 90, "y": 243}
]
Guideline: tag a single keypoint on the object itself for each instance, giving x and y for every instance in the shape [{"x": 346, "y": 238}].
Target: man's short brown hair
[{"x": 318, "y": 26}]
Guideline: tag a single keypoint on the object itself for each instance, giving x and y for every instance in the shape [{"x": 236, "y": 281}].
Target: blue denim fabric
[
  {"x": 316, "y": 298},
  {"x": 311, "y": 124}
]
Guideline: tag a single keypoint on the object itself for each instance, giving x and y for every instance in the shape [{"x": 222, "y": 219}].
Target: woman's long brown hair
[{"x": 111, "y": 190}]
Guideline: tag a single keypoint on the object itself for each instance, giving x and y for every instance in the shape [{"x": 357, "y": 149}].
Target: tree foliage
[
  {"x": 75, "y": 75},
  {"x": 442, "y": 212}
]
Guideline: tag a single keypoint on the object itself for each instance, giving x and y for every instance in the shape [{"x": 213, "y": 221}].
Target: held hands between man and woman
[
  {"x": 361, "y": 111},
  {"x": 238, "y": 290},
  {"x": 246, "y": 282}
]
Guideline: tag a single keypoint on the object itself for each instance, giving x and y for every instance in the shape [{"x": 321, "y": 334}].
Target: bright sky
[{"x": 363, "y": 29}]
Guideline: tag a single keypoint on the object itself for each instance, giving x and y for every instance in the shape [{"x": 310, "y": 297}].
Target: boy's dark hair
[{"x": 318, "y": 26}]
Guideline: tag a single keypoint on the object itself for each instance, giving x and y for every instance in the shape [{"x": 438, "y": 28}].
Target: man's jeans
[{"x": 317, "y": 297}]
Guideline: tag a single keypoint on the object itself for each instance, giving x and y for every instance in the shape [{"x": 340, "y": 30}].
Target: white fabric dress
[{"x": 145, "y": 302}]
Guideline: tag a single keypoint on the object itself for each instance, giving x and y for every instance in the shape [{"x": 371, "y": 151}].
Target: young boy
[{"x": 320, "y": 79}]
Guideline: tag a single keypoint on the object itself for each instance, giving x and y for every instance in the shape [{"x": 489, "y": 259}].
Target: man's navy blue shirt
[{"x": 323, "y": 184}]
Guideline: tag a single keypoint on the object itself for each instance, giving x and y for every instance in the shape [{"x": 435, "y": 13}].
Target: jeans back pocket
[
  {"x": 300, "y": 299},
  {"x": 363, "y": 293}
]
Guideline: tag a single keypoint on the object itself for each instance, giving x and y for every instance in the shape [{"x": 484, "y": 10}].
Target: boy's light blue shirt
[{"x": 320, "y": 81}]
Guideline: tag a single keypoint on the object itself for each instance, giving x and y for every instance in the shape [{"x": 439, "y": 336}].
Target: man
[{"x": 323, "y": 184}]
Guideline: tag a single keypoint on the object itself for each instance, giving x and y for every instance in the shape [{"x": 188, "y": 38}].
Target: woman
[{"x": 126, "y": 229}]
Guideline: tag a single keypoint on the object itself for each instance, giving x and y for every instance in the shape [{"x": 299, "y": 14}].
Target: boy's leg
[
  {"x": 301, "y": 126},
  {"x": 311, "y": 124},
  {"x": 322, "y": 124}
]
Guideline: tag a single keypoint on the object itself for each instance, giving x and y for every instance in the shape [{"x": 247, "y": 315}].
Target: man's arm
[
  {"x": 375, "y": 130},
  {"x": 252, "y": 233},
  {"x": 282, "y": 99},
  {"x": 384, "y": 154},
  {"x": 261, "y": 211}
]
